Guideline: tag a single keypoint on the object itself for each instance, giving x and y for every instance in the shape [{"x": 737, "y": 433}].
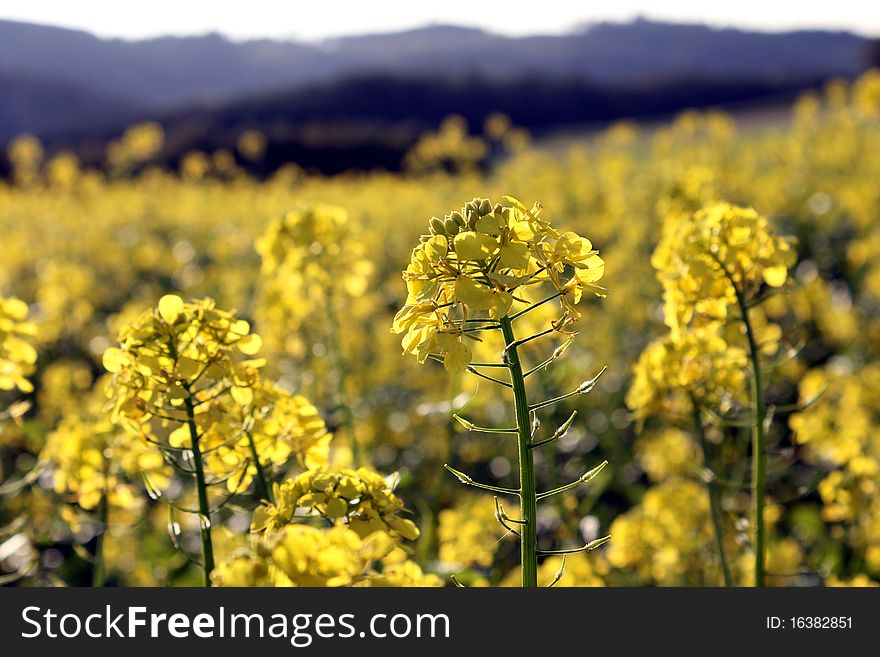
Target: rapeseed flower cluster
[
  {"x": 300, "y": 555},
  {"x": 475, "y": 263},
  {"x": 700, "y": 364},
  {"x": 360, "y": 499},
  {"x": 707, "y": 260}
]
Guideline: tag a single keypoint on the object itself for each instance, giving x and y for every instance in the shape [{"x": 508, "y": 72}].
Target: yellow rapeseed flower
[{"x": 475, "y": 263}]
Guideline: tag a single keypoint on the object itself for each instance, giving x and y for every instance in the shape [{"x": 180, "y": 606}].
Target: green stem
[
  {"x": 527, "y": 494},
  {"x": 759, "y": 453},
  {"x": 202, "y": 490},
  {"x": 714, "y": 498},
  {"x": 263, "y": 489}
]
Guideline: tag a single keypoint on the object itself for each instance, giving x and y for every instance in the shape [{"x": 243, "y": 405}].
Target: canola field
[{"x": 647, "y": 359}]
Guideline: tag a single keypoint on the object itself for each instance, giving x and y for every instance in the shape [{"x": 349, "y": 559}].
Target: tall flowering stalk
[
  {"x": 718, "y": 259},
  {"x": 477, "y": 271},
  {"x": 313, "y": 264},
  {"x": 176, "y": 371},
  {"x": 682, "y": 378}
]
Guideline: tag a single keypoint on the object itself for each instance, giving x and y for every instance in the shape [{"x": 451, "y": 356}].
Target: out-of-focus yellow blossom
[
  {"x": 360, "y": 499},
  {"x": 666, "y": 453},
  {"x": 860, "y": 255},
  {"x": 25, "y": 154},
  {"x": 698, "y": 363},
  {"x": 703, "y": 258},
  {"x": 784, "y": 559},
  {"x": 195, "y": 166},
  {"x": 498, "y": 128},
  {"x": 66, "y": 297},
  {"x": 667, "y": 538},
  {"x": 830, "y": 308},
  {"x": 138, "y": 144},
  {"x": 311, "y": 257},
  {"x": 866, "y": 93},
  {"x": 861, "y": 580},
  {"x": 475, "y": 264},
  {"x": 496, "y": 125},
  {"x": 839, "y": 427},
  {"x": 64, "y": 387},
  {"x": 316, "y": 273},
  {"x": 449, "y": 149},
  {"x": 300, "y": 555},
  {"x": 17, "y": 354},
  {"x": 63, "y": 171},
  {"x": 581, "y": 570},
  {"x": 687, "y": 191},
  {"x": 305, "y": 242},
  {"x": 92, "y": 460},
  {"x": 85, "y": 464},
  {"x": 468, "y": 533},
  {"x": 251, "y": 144},
  {"x": 224, "y": 163}
]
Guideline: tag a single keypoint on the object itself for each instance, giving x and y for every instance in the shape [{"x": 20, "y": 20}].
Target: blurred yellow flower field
[{"x": 207, "y": 378}]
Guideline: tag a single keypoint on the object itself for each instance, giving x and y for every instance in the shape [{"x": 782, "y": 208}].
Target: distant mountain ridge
[{"x": 60, "y": 81}]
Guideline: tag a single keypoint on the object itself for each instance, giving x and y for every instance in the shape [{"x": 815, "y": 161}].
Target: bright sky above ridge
[{"x": 317, "y": 20}]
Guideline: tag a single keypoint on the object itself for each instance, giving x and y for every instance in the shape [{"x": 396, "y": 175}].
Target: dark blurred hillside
[
  {"x": 167, "y": 73},
  {"x": 45, "y": 106},
  {"x": 370, "y": 121}
]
